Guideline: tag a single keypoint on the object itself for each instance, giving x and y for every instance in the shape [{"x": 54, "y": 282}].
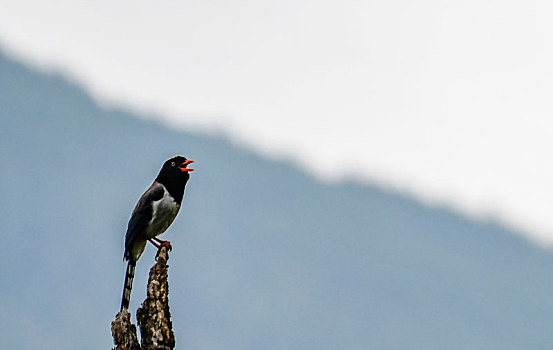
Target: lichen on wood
[
  {"x": 124, "y": 332},
  {"x": 154, "y": 317}
]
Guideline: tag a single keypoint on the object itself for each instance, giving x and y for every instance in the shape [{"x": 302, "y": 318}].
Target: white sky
[{"x": 448, "y": 100}]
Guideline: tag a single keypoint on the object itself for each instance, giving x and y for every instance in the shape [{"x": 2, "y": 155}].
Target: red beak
[{"x": 183, "y": 167}]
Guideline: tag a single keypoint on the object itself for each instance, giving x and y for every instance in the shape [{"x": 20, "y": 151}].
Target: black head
[
  {"x": 174, "y": 174},
  {"x": 176, "y": 165}
]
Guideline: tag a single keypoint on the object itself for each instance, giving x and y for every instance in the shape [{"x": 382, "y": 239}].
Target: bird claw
[{"x": 166, "y": 244}]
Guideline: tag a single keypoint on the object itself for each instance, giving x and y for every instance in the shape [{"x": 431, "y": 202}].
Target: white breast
[{"x": 164, "y": 212}]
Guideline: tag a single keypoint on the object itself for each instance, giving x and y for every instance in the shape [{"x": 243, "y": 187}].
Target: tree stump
[
  {"x": 124, "y": 332},
  {"x": 154, "y": 317}
]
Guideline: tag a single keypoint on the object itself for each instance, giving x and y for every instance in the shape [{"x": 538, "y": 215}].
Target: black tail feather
[{"x": 127, "y": 287}]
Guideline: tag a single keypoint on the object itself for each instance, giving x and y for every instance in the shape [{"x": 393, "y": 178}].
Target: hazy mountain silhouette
[{"x": 265, "y": 256}]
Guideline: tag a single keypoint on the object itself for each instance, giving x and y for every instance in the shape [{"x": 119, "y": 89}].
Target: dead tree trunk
[
  {"x": 124, "y": 332},
  {"x": 154, "y": 318}
]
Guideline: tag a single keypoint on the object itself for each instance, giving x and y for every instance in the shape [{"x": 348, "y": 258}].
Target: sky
[{"x": 449, "y": 101}]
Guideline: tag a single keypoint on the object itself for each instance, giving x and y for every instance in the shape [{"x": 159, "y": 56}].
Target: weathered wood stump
[
  {"x": 154, "y": 317},
  {"x": 124, "y": 332}
]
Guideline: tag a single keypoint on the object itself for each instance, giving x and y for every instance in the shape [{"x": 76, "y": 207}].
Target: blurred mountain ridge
[{"x": 265, "y": 256}]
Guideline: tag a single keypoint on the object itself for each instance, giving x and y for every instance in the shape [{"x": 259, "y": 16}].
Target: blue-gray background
[{"x": 265, "y": 256}]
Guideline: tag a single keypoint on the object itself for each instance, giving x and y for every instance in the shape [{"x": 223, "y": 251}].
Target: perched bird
[{"x": 152, "y": 215}]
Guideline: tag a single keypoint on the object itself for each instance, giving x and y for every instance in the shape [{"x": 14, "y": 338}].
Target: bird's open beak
[{"x": 183, "y": 167}]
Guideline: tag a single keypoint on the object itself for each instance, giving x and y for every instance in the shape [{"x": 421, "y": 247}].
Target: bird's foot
[
  {"x": 161, "y": 243},
  {"x": 166, "y": 244}
]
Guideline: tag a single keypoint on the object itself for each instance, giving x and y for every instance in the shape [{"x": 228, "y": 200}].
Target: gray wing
[{"x": 141, "y": 215}]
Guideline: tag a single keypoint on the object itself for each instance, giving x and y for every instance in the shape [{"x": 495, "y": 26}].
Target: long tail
[{"x": 127, "y": 287}]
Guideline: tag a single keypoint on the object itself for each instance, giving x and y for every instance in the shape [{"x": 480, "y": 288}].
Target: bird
[{"x": 153, "y": 214}]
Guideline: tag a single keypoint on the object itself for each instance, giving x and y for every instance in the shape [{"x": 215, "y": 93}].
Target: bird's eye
[{"x": 173, "y": 163}]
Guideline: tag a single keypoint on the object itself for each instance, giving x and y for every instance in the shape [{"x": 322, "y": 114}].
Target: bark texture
[
  {"x": 124, "y": 332},
  {"x": 154, "y": 318}
]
